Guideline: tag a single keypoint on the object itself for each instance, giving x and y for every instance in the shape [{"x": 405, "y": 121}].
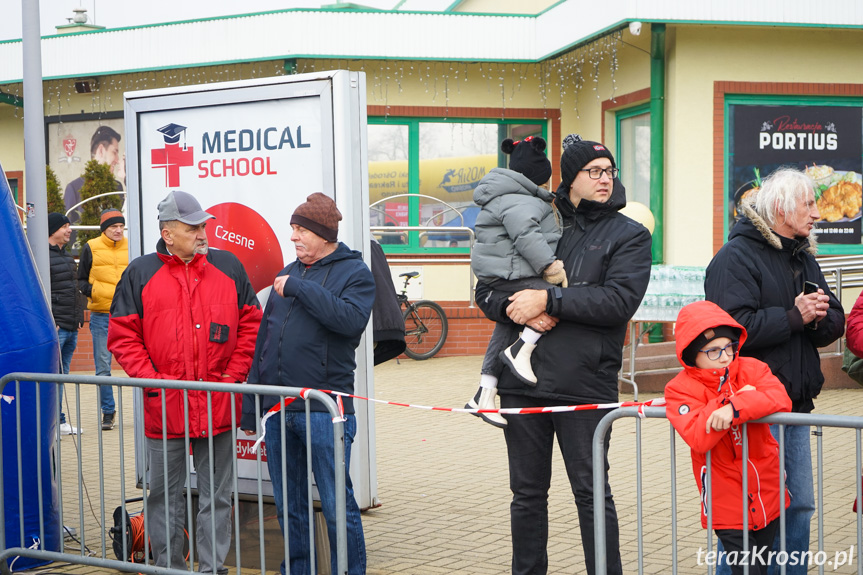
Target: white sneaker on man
[{"x": 67, "y": 429}]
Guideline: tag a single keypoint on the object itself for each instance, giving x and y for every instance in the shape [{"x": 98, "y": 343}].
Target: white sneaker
[{"x": 67, "y": 429}]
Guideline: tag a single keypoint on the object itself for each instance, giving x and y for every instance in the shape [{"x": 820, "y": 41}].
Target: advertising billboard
[
  {"x": 251, "y": 152},
  {"x": 825, "y": 141}
]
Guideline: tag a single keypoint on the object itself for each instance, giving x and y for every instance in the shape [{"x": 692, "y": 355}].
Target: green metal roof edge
[
  {"x": 555, "y": 5},
  {"x": 587, "y": 39}
]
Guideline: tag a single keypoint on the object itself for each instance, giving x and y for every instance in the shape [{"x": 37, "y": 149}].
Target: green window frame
[
  {"x": 655, "y": 196},
  {"x": 413, "y": 245}
]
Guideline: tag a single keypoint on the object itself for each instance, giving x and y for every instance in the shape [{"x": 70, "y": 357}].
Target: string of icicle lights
[{"x": 558, "y": 83}]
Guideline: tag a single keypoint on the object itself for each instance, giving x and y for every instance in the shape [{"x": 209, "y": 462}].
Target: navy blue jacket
[{"x": 309, "y": 337}]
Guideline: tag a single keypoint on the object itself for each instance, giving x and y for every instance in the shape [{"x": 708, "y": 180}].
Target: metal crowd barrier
[
  {"x": 820, "y": 556},
  {"x": 108, "y": 471}
]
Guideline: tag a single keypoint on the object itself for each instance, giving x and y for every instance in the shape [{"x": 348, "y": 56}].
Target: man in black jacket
[
  {"x": 66, "y": 304},
  {"x": 607, "y": 259},
  {"x": 758, "y": 277}
]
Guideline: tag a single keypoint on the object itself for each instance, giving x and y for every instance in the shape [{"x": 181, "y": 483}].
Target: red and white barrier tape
[
  {"x": 286, "y": 402},
  {"x": 7, "y": 398},
  {"x": 657, "y": 402}
]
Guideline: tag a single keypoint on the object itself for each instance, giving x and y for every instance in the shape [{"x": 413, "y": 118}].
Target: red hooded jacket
[{"x": 695, "y": 393}]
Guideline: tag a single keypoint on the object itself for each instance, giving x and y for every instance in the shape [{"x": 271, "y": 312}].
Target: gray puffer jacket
[{"x": 516, "y": 230}]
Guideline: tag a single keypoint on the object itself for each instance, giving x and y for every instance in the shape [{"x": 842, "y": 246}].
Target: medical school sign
[{"x": 244, "y": 167}]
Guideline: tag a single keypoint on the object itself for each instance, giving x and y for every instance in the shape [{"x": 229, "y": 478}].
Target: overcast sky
[{"x": 119, "y": 13}]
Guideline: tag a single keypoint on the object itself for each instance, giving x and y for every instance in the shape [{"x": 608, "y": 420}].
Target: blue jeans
[
  {"x": 323, "y": 467},
  {"x": 68, "y": 343},
  {"x": 99, "y": 332},
  {"x": 798, "y": 480}
]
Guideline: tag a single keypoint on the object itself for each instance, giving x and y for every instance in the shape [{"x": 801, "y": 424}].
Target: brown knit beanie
[{"x": 320, "y": 215}]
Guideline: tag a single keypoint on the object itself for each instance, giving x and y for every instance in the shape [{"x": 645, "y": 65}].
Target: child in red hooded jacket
[{"x": 707, "y": 402}]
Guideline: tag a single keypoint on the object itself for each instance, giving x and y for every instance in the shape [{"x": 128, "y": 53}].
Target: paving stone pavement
[{"x": 443, "y": 483}]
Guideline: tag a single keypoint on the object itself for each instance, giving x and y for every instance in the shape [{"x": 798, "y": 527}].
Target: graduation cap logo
[
  {"x": 172, "y": 133},
  {"x": 172, "y": 156}
]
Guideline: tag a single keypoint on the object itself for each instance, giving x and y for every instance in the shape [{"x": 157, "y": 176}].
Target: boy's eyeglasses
[
  {"x": 596, "y": 173},
  {"x": 715, "y": 353}
]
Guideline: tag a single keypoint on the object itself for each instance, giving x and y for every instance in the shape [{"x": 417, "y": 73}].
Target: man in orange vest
[{"x": 102, "y": 262}]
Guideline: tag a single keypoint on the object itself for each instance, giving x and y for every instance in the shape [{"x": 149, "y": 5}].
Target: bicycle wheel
[{"x": 425, "y": 329}]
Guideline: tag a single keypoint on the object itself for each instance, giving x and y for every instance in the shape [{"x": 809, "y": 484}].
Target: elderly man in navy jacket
[{"x": 312, "y": 324}]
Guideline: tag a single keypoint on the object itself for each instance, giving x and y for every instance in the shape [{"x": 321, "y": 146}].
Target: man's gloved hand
[{"x": 555, "y": 274}]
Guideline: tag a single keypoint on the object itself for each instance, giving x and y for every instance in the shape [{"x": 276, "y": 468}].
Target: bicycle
[{"x": 425, "y": 324}]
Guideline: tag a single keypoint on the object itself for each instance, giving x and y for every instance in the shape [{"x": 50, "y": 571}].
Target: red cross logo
[{"x": 172, "y": 157}]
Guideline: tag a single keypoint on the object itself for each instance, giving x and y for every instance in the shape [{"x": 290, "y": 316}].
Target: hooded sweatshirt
[{"x": 696, "y": 393}]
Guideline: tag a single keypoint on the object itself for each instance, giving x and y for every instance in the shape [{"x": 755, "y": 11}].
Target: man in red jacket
[{"x": 186, "y": 313}]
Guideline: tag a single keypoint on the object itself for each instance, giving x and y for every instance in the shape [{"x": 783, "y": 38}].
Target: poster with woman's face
[{"x": 825, "y": 141}]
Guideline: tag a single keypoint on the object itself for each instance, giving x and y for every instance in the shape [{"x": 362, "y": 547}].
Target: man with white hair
[{"x": 759, "y": 277}]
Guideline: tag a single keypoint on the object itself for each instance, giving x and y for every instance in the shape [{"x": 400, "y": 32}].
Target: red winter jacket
[
  {"x": 696, "y": 393},
  {"x": 190, "y": 322},
  {"x": 854, "y": 328}
]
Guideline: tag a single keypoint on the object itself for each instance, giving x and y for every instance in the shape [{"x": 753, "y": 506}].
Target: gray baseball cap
[{"x": 183, "y": 207}]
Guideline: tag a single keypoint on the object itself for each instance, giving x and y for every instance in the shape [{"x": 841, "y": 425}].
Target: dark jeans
[
  {"x": 529, "y": 444},
  {"x": 760, "y": 543},
  {"x": 68, "y": 343}
]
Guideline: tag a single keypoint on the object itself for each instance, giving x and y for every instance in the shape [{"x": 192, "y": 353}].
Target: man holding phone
[{"x": 766, "y": 277}]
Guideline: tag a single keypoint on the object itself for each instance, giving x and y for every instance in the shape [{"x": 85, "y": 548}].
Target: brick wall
[{"x": 469, "y": 330}]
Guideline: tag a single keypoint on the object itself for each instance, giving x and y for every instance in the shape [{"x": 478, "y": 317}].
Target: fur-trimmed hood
[{"x": 760, "y": 227}]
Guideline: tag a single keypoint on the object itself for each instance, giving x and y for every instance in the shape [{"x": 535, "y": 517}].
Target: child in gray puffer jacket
[{"x": 516, "y": 235}]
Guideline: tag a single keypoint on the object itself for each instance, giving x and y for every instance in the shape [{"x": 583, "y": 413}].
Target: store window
[
  {"x": 822, "y": 136},
  {"x": 633, "y": 143},
  {"x": 424, "y": 172}
]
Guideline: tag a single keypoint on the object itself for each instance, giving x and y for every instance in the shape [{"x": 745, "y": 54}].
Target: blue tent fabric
[{"x": 28, "y": 343}]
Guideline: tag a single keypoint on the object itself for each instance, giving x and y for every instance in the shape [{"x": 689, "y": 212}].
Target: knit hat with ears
[
  {"x": 320, "y": 215},
  {"x": 528, "y": 157},
  {"x": 577, "y": 153}
]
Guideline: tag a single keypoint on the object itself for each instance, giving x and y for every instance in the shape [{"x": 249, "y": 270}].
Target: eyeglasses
[
  {"x": 596, "y": 173},
  {"x": 715, "y": 353}
]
